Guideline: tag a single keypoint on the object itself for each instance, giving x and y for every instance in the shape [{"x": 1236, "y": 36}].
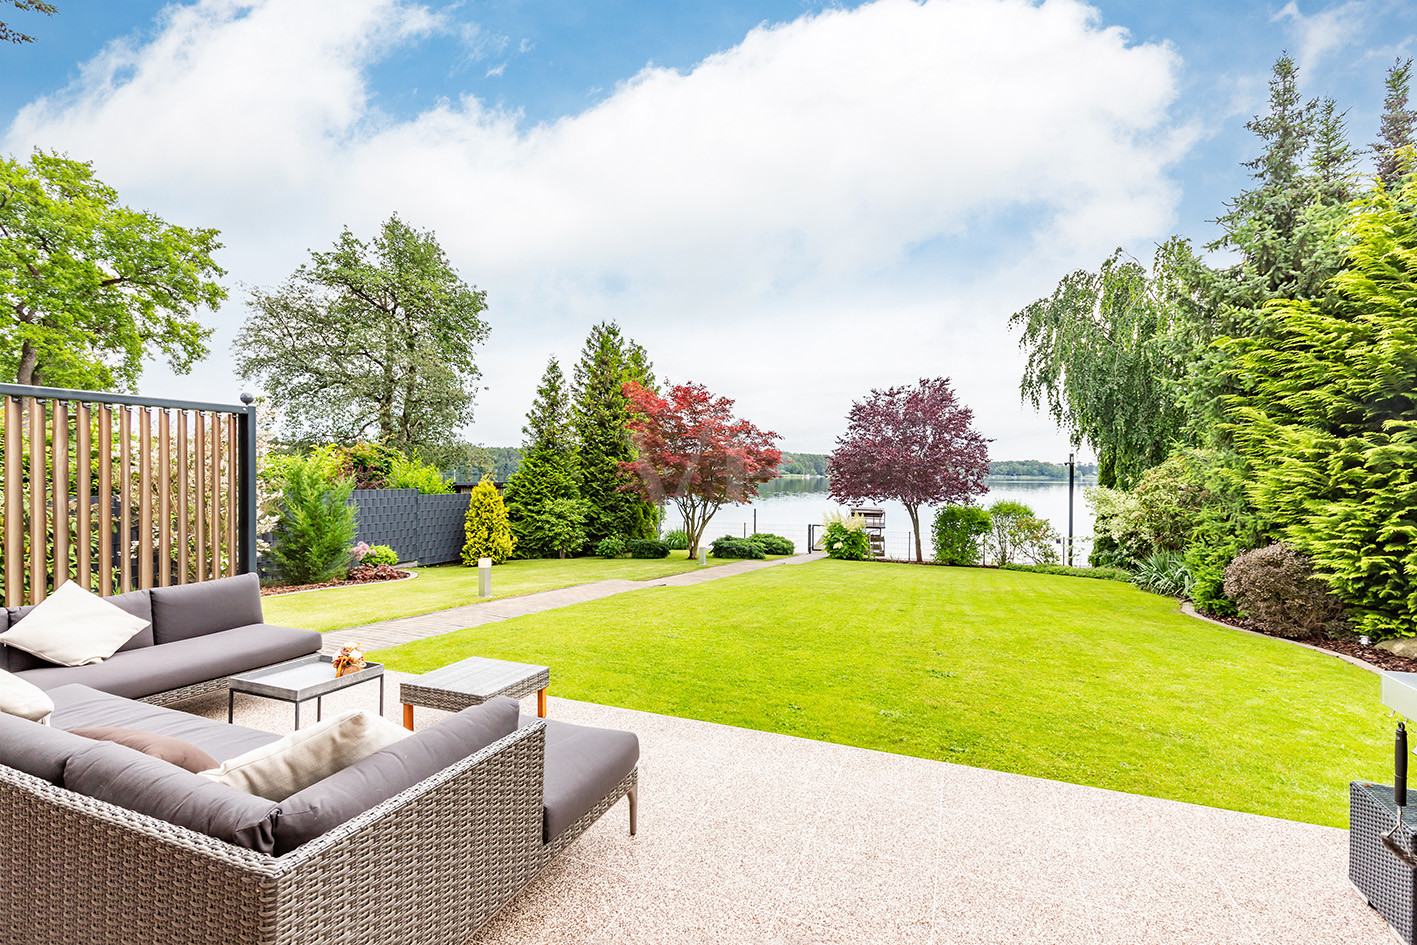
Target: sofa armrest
[{"x": 445, "y": 855}]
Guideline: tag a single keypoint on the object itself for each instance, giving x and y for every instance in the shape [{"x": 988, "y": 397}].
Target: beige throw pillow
[
  {"x": 298, "y": 760},
  {"x": 24, "y": 699},
  {"x": 72, "y": 627}
]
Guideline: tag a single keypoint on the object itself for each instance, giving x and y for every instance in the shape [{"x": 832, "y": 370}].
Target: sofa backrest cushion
[
  {"x": 137, "y": 603},
  {"x": 371, "y": 781},
  {"x": 137, "y": 782},
  {"x": 38, "y": 750},
  {"x": 193, "y": 610}
]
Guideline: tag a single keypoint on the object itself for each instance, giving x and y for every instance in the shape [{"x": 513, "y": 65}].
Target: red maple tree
[
  {"x": 914, "y": 444},
  {"x": 695, "y": 453}
]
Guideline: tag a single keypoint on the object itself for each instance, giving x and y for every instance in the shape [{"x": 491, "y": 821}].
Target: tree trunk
[
  {"x": 914, "y": 511},
  {"x": 29, "y": 361}
]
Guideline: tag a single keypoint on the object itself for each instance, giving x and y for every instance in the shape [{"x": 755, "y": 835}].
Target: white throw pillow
[
  {"x": 73, "y": 627},
  {"x": 24, "y": 699},
  {"x": 298, "y": 760}
]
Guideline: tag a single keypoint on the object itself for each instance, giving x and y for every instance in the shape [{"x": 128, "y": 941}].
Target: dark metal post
[
  {"x": 1071, "y": 467},
  {"x": 246, "y": 487}
]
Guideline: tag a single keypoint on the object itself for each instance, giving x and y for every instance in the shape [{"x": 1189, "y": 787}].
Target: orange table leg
[
  {"x": 408, "y": 717},
  {"x": 541, "y": 703}
]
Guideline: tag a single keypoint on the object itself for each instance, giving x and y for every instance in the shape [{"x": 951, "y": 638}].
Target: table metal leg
[
  {"x": 319, "y": 708},
  {"x": 230, "y": 706},
  {"x": 297, "y": 715},
  {"x": 381, "y": 696},
  {"x": 408, "y": 717}
]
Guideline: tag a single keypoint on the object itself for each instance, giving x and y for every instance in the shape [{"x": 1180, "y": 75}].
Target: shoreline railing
[{"x": 122, "y": 493}]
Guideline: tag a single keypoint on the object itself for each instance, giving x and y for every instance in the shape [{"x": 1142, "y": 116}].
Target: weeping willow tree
[{"x": 1107, "y": 351}]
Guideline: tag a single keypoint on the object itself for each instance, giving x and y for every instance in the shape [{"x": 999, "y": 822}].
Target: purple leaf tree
[{"x": 915, "y": 444}]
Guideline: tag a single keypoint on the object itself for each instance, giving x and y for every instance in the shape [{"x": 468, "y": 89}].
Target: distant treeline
[
  {"x": 1037, "y": 469},
  {"x": 502, "y": 461}
]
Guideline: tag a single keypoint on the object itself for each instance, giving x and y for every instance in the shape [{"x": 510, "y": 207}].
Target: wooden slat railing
[{"x": 96, "y": 489}]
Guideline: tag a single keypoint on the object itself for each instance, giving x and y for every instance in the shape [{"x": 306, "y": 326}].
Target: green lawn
[
  {"x": 1092, "y": 682},
  {"x": 453, "y": 585}
]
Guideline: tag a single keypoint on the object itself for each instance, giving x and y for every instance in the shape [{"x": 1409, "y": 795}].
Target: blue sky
[{"x": 790, "y": 201}]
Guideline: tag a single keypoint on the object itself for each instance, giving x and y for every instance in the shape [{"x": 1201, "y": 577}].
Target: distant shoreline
[{"x": 1080, "y": 480}]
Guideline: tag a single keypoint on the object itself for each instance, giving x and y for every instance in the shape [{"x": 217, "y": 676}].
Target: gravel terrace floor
[{"x": 752, "y": 837}]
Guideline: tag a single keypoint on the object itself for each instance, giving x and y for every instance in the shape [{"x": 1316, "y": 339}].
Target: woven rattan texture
[
  {"x": 429, "y": 866},
  {"x": 1389, "y": 885},
  {"x": 452, "y": 692}
]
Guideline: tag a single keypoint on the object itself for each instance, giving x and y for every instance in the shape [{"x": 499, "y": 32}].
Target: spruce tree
[
  {"x": 1398, "y": 125},
  {"x": 600, "y": 413},
  {"x": 538, "y": 492}
]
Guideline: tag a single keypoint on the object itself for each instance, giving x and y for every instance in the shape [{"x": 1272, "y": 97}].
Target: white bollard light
[
  {"x": 703, "y": 556},
  {"x": 484, "y": 577}
]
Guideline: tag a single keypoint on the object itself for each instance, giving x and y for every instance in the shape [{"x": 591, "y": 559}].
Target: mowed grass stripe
[{"x": 1092, "y": 682}]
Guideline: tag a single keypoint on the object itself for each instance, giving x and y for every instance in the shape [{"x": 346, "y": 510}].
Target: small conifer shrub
[{"x": 487, "y": 533}]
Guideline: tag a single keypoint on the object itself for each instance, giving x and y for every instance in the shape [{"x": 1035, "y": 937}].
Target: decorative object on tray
[{"x": 349, "y": 660}]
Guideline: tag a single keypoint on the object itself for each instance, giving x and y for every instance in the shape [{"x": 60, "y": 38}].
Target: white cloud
[
  {"x": 854, "y": 199},
  {"x": 1322, "y": 33}
]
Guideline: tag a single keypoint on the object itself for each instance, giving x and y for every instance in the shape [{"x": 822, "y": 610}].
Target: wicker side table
[
  {"x": 472, "y": 682},
  {"x": 1389, "y": 885}
]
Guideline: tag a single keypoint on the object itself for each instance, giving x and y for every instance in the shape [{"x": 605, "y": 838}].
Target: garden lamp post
[{"x": 1071, "y": 468}]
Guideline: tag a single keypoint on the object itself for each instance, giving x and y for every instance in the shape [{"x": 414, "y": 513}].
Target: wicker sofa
[
  {"x": 198, "y": 635},
  {"x": 421, "y": 842}
]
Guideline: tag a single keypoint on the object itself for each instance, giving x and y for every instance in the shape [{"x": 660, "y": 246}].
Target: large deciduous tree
[
  {"x": 372, "y": 340},
  {"x": 599, "y": 419},
  {"x": 90, "y": 288},
  {"x": 695, "y": 453},
  {"x": 538, "y": 493},
  {"x": 1106, "y": 352},
  {"x": 916, "y": 444}
]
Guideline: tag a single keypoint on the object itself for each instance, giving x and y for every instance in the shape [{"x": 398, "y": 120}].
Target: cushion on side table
[
  {"x": 73, "y": 627},
  {"x": 389, "y": 771}
]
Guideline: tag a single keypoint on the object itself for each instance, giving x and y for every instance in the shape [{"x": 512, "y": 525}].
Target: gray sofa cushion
[
  {"x": 192, "y": 610},
  {"x": 132, "y": 780},
  {"x": 139, "y": 673},
  {"x": 136, "y": 603},
  {"x": 583, "y": 765},
  {"x": 81, "y": 707},
  {"x": 35, "y": 749},
  {"x": 347, "y": 793}
]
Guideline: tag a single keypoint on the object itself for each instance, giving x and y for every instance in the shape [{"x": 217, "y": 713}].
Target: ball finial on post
[{"x": 247, "y": 399}]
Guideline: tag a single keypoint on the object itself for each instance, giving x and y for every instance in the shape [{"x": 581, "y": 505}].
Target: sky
[{"x": 789, "y": 201}]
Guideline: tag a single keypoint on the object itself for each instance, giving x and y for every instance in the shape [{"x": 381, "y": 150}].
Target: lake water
[{"x": 787, "y": 506}]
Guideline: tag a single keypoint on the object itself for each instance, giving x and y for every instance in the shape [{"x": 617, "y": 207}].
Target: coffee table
[
  {"x": 297, "y": 681},
  {"x": 472, "y": 682}
]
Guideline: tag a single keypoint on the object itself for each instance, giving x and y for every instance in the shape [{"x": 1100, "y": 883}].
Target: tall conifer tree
[
  {"x": 548, "y": 469},
  {"x": 600, "y": 414},
  {"x": 1398, "y": 125}
]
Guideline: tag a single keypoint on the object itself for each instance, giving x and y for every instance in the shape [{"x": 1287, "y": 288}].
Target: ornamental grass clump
[
  {"x": 486, "y": 530},
  {"x": 1276, "y": 590}
]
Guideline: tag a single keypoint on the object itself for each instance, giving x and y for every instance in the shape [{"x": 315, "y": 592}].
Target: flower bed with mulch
[
  {"x": 363, "y": 574},
  {"x": 1371, "y": 655}
]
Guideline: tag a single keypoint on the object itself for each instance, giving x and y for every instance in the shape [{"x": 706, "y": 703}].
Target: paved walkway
[{"x": 386, "y": 633}]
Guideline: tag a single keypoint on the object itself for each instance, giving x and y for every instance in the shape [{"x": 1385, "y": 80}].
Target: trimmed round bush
[
  {"x": 381, "y": 554},
  {"x": 773, "y": 544},
  {"x": 730, "y": 547},
  {"x": 677, "y": 540},
  {"x": 1276, "y": 590},
  {"x": 610, "y": 548},
  {"x": 647, "y": 548},
  {"x": 846, "y": 543}
]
